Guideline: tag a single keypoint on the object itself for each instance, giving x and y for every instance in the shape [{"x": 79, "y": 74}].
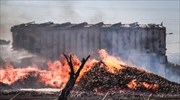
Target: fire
[
  {"x": 10, "y": 75},
  {"x": 57, "y": 73},
  {"x": 112, "y": 63},
  {"x": 134, "y": 84}
]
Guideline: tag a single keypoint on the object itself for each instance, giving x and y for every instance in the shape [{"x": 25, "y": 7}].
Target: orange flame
[
  {"x": 134, "y": 85},
  {"x": 10, "y": 75},
  {"x": 112, "y": 63},
  {"x": 57, "y": 73}
]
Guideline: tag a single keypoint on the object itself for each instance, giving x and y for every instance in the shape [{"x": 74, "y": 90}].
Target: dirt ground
[{"x": 80, "y": 95}]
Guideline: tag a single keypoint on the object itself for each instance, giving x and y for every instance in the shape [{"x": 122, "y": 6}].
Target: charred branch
[{"x": 73, "y": 76}]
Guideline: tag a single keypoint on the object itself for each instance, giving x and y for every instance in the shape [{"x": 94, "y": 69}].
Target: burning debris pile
[
  {"x": 99, "y": 79},
  {"x": 109, "y": 73}
]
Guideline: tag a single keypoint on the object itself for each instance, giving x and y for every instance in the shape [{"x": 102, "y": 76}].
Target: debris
[
  {"x": 99, "y": 78},
  {"x": 73, "y": 77}
]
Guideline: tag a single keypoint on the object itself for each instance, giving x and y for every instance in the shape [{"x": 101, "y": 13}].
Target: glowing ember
[{"x": 135, "y": 85}]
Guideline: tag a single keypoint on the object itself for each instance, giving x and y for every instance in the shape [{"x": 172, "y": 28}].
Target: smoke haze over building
[{"x": 17, "y": 12}]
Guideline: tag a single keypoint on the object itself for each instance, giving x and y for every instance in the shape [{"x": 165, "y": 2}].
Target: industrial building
[{"x": 50, "y": 40}]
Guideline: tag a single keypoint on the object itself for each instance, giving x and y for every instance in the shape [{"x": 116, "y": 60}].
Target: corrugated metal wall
[{"x": 51, "y": 42}]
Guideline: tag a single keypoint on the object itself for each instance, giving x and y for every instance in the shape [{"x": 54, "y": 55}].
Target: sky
[{"x": 15, "y": 12}]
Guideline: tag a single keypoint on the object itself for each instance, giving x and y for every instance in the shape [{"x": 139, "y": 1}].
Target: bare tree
[{"x": 73, "y": 76}]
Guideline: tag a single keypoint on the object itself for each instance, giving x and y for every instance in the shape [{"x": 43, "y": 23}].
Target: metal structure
[{"x": 50, "y": 40}]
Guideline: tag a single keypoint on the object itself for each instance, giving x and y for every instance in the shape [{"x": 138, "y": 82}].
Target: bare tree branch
[
  {"x": 69, "y": 60},
  {"x": 73, "y": 76},
  {"x": 82, "y": 65}
]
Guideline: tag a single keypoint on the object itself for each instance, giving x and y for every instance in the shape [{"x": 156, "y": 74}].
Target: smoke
[
  {"x": 17, "y": 12},
  {"x": 174, "y": 58},
  {"x": 97, "y": 17},
  {"x": 151, "y": 63},
  {"x": 148, "y": 61}
]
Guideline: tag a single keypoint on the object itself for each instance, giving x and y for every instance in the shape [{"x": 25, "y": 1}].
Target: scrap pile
[{"x": 131, "y": 78}]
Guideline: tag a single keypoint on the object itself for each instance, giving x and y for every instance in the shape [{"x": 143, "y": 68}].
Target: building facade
[{"x": 50, "y": 40}]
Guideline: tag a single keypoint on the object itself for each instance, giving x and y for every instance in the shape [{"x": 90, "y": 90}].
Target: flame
[
  {"x": 134, "y": 84},
  {"x": 10, "y": 75},
  {"x": 57, "y": 73},
  {"x": 112, "y": 63}
]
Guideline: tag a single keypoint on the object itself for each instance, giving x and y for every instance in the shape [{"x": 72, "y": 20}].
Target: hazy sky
[{"x": 126, "y": 11}]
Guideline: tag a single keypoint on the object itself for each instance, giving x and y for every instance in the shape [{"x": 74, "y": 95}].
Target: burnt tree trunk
[{"x": 73, "y": 76}]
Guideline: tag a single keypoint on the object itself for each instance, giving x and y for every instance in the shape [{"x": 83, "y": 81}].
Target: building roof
[{"x": 86, "y": 25}]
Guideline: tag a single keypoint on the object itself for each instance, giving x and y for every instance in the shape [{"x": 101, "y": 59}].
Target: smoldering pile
[{"x": 129, "y": 78}]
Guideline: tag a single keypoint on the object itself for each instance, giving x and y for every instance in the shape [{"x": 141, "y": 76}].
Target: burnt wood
[{"x": 73, "y": 76}]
